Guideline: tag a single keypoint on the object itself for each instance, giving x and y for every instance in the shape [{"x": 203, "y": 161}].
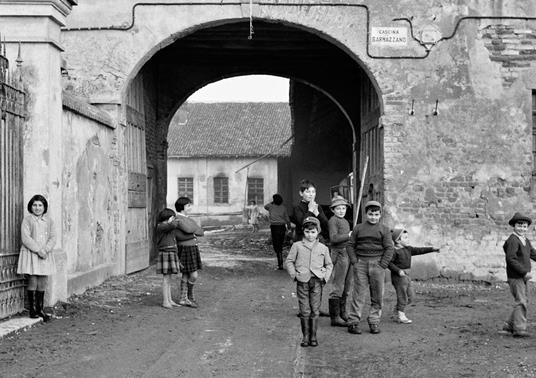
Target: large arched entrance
[{"x": 334, "y": 104}]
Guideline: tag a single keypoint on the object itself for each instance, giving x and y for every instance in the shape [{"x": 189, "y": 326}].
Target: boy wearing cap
[
  {"x": 339, "y": 236},
  {"x": 371, "y": 251},
  {"x": 399, "y": 267},
  {"x": 309, "y": 264},
  {"x": 519, "y": 252}
]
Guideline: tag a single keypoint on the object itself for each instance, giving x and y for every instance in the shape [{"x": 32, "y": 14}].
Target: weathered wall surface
[
  {"x": 203, "y": 172},
  {"x": 453, "y": 179},
  {"x": 91, "y": 216}
]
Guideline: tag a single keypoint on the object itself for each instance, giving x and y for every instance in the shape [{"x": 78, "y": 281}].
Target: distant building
[{"x": 222, "y": 155}]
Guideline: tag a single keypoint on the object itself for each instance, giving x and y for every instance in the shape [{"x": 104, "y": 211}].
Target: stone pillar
[{"x": 36, "y": 25}]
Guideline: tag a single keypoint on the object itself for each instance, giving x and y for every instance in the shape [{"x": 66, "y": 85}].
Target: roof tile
[{"x": 230, "y": 130}]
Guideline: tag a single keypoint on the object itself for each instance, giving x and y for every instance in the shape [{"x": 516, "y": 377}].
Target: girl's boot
[
  {"x": 313, "y": 327},
  {"x": 184, "y": 301},
  {"x": 191, "y": 297},
  {"x": 39, "y": 299},
  {"x": 31, "y": 302},
  {"x": 305, "y": 332}
]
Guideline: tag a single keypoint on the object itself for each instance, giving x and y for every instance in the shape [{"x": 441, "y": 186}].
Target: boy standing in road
[
  {"x": 371, "y": 251},
  {"x": 399, "y": 268},
  {"x": 309, "y": 263},
  {"x": 518, "y": 252},
  {"x": 341, "y": 280}
]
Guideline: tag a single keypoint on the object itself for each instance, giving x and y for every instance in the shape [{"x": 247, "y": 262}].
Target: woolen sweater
[
  {"x": 402, "y": 257},
  {"x": 278, "y": 214},
  {"x": 371, "y": 240},
  {"x": 518, "y": 256},
  {"x": 339, "y": 232}
]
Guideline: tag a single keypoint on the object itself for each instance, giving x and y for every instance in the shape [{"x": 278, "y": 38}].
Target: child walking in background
[
  {"x": 186, "y": 236},
  {"x": 339, "y": 236},
  {"x": 279, "y": 222},
  {"x": 253, "y": 213},
  {"x": 168, "y": 260},
  {"x": 36, "y": 258},
  {"x": 399, "y": 267},
  {"x": 309, "y": 263},
  {"x": 519, "y": 252},
  {"x": 372, "y": 250}
]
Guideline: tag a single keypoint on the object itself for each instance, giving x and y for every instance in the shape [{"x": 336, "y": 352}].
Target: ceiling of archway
[{"x": 222, "y": 51}]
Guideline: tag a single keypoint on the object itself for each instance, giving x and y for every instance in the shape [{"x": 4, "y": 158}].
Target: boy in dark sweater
[
  {"x": 518, "y": 252},
  {"x": 339, "y": 236},
  {"x": 371, "y": 252},
  {"x": 399, "y": 268}
]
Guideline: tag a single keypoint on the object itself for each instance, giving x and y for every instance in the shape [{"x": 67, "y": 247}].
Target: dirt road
[{"x": 246, "y": 326}]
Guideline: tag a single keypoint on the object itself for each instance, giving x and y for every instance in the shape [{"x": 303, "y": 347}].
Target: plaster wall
[
  {"x": 91, "y": 227},
  {"x": 453, "y": 179},
  {"x": 203, "y": 171}
]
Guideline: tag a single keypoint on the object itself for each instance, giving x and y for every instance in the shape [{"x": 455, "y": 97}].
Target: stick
[{"x": 358, "y": 203}]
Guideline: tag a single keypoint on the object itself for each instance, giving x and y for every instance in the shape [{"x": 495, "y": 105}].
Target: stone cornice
[{"x": 63, "y": 6}]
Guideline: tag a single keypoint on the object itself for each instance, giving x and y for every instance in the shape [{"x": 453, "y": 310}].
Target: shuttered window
[
  {"x": 185, "y": 187},
  {"x": 221, "y": 189},
  {"x": 256, "y": 190}
]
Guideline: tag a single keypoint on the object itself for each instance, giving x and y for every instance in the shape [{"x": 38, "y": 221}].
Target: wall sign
[{"x": 388, "y": 36}]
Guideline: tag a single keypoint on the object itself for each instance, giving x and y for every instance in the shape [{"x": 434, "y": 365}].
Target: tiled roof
[{"x": 230, "y": 130}]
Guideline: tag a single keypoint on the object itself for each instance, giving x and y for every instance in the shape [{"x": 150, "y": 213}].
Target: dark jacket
[
  {"x": 518, "y": 256},
  {"x": 402, "y": 257},
  {"x": 300, "y": 212}
]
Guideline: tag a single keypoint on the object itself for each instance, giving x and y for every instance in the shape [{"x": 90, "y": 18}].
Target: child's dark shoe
[
  {"x": 521, "y": 334},
  {"x": 506, "y": 329},
  {"x": 374, "y": 328},
  {"x": 354, "y": 329}
]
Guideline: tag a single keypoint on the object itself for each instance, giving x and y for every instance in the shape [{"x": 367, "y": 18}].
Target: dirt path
[{"x": 246, "y": 327}]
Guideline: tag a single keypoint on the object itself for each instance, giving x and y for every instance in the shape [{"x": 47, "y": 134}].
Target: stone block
[{"x": 77, "y": 283}]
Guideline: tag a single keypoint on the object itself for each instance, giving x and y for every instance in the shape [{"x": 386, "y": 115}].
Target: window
[
  {"x": 256, "y": 190},
  {"x": 221, "y": 189},
  {"x": 185, "y": 187}
]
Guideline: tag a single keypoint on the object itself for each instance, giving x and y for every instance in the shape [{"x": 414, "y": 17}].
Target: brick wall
[{"x": 514, "y": 47}]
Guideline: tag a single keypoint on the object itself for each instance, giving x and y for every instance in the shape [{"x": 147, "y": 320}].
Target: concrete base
[
  {"x": 16, "y": 324},
  {"x": 79, "y": 282}
]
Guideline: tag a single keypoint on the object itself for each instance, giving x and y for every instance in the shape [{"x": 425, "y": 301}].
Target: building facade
[{"x": 223, "y": 155}]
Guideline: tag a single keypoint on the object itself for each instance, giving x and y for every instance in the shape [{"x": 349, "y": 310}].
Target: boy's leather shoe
[
  {"x": 374, "y": 328},
  {"x": 354, "y": 329},
  {"x": 521, "y": 334}
]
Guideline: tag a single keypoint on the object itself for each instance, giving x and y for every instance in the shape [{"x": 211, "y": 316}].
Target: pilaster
[{"x": 36, "y": 25}]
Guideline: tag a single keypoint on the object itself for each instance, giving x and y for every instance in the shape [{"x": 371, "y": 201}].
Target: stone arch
[
  {"x": 170, "y": 39},
  {"x": 335, "y": 76}
]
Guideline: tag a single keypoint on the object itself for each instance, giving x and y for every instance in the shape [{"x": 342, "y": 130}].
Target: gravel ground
[{"x": 246, "y": 326}]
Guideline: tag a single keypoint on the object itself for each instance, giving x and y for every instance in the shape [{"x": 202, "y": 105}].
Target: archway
[{"x": 331, "y": 93}]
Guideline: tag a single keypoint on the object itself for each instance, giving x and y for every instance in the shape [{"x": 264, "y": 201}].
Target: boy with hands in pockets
[{"x": 309, "y": 263}]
